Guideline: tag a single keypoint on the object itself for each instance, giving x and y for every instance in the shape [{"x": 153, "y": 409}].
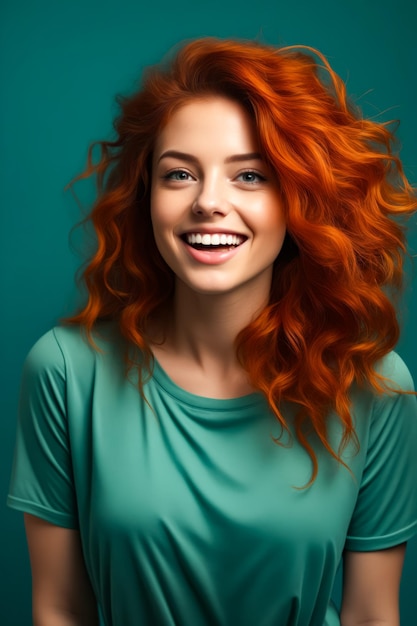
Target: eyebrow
[{"x": 248, "y": 156}]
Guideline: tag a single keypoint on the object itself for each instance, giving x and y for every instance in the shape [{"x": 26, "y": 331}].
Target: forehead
[{"x": 209, "y": 122}]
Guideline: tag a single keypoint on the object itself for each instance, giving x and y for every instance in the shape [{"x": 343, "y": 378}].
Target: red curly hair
[{"x": 330, "y": 317}]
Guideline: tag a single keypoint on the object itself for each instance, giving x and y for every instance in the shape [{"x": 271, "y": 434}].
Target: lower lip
[{"x": 212, "y": 257}]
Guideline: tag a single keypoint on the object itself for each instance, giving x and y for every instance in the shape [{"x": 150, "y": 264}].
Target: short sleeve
[
  {"x": 386, "y": 509},
  {"x": 41, "y": 482}
]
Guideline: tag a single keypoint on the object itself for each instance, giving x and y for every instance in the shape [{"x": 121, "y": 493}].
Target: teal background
[{"x": 62, "y": 64}]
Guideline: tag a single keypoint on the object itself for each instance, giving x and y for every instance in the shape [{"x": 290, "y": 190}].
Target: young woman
[{"x": 225, "y": 421}]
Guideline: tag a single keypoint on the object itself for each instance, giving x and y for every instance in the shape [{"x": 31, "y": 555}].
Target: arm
[
  {"x": 61, "y": 590},
  {"x": 371, "y": 583}
]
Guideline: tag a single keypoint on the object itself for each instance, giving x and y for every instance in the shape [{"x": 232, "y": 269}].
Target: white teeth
[{"x": 216, "y": 239}]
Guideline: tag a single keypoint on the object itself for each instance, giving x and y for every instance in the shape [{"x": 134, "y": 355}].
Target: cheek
[
  {"x": 274, "y": 229},
  {"x": 159, "y": 213},
  {"x": 275, "y": 242},
  {"x": 168, "y": 207},
  {"x": 159, "y": 230},
  {"x": 163, "y": 225},
  {"x": 270, "y": 218},
  {"x": 155, "y": 203}
]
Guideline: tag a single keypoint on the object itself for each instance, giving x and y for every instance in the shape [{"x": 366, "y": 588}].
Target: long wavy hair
[{"x": 330, "y": 317}]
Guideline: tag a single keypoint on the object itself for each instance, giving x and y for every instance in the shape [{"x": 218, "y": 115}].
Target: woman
[{"x": 225, "y": 419}]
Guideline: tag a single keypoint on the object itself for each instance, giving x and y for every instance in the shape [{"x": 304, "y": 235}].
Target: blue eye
[
  {"x": 180, "y": 175},
  {"x": 251, "y": 177}
]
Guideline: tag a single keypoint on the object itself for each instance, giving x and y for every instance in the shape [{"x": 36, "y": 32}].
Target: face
[{"x": 215, "y": 205}]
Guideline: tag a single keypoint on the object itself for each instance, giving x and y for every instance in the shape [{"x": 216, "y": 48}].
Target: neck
[
  {"x": 207, "y": 325},
  {"x": 197, "y": 348}
]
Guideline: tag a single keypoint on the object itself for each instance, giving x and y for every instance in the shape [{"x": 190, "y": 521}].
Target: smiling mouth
[{"x": 215, "y": 241}]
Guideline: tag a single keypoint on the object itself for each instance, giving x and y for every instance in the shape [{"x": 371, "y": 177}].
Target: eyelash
[
  {"x": 171, "y": 176},
  {"x": 259, "y": 176}
]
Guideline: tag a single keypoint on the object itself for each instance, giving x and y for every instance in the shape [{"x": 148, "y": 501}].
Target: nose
[{"x": 211, "y": 198}]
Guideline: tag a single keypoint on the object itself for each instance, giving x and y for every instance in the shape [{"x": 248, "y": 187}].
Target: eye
[
  {"x": 178, "y": 175},
  {"x": 250, "y": 177}
]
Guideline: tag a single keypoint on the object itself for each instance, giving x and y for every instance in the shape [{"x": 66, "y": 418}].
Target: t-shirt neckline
[{"x": 221, "y": 404}]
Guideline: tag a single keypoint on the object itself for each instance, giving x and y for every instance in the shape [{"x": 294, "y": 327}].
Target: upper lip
[{"x": 212, "y": 230}]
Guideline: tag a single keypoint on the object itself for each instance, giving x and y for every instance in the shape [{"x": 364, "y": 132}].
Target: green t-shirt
[{"x": 189, "y": 513}]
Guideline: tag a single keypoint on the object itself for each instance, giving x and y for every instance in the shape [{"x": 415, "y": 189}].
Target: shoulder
[
  {"x": 65, "y": 347},
  {"x": 395, "y": 372},
  {"x": 44, "y": 356},
  {"x": 393, "y": 415},
  {"x": 386, "y": 424},
  {"x": 391, "y": 412},
  {"x": 396, "y": 384},
  {"x": 396, "y": 406}
]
